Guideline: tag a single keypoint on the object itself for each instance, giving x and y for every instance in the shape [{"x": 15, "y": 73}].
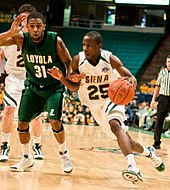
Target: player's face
[
  {"x": 36, "y": 29},
  {"x": 91, "y": 49}
]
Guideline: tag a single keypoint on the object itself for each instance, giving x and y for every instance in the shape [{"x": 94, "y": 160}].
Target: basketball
[{"x": 121, "y": 91}]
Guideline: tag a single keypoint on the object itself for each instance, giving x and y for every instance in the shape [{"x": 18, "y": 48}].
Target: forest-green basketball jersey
[{"x": 39, "y": 58}]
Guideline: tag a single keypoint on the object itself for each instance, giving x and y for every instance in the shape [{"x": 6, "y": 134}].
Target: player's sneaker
[
  {"x": 132, "y": 174},
  {"x": 25, "y": 163},
  {"x": 157, "y": 161},
  {"x": 37, "y": 151},
  {"x": 66, "y": 162},
  {"x": 4, "y": 155}
]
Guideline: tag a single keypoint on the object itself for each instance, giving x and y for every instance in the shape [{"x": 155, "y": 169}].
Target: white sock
[
  {"x": 146, "y": 151},
  {"x": 5, "y": 137},
  {"x": 26, "y": 150},
  {"x": 36, "y": 139},
  {"x": 62, "y": 147},
  {"x": 130, "y": 160}
]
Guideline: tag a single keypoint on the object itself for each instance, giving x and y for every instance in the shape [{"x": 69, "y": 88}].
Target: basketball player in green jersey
[{"x": 41, "y": 50}]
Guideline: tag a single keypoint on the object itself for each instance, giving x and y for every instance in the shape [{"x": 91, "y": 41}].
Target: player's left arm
[
  {"x": 123, "y": 71},
  {"x": 72, "y": 82},
  {"x": 64, "y": 54}
]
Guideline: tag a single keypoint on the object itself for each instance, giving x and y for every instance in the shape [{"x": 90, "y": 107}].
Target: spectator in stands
[
  {"x": 144, "y": 88},
  {"x": 134, "y": 107},
  {"x": 153, "y": 82},
  {"x": 151, "y": 88},
  {"x": 79, "y": 117},
  {"x": 163, "y": 89},
  {"x": 75, "y": 20},
  {"x": 71, "y": 113},
  {"x": 129, "y": 114},
  {"x": 143, "y": 108},
  {"x": 149, "y": 118},
  {"x": 14, "y": 12}
]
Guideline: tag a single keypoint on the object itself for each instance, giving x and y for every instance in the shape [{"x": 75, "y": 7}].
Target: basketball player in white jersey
[
  {"x": 14, "y": 83},
  {"x": 93, "y": 70}
]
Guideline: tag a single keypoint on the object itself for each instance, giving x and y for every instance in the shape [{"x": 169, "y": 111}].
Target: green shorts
[{"x": 32, "y": 104}]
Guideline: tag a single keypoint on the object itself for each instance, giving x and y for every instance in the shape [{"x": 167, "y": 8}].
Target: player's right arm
[
  {"x": 13, "y": 35},
  {"x": 123, "y": 71}
]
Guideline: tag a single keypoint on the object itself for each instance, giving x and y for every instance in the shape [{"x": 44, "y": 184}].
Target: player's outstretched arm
[
  {"x": 57, "y": 74},
  {"x": 11, "y": 36}
]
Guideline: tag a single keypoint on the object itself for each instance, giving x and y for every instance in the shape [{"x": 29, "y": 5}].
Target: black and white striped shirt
[{"x": 163, "y": 81}]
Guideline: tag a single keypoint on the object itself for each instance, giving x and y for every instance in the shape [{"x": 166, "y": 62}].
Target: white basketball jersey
[
  {"x": 93, "y": 88},
  {"x": 15, "y": 63}
]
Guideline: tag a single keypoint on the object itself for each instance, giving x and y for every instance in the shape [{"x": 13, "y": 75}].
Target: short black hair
[
  {"x": 36, "y": 15},
  {"x": 96, "y": 36},
  {"x": 26, "y": 8}
]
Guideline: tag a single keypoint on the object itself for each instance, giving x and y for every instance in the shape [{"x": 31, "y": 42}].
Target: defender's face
[
  {"x": 91, "y": 48},
  {"x": 36, "y": 29}
]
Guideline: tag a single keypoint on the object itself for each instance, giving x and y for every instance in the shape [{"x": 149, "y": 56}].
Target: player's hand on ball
[
  {"x": 131, "y": 80},
  {"x": 121, "y": 91}
]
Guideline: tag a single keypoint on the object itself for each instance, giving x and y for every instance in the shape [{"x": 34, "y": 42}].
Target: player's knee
[
  {"x": 115, "y": 126},
  {"x": 23, "y": 127},
  {"x": 54, "y": 123},
  {"x": 9, "y": 110},
  {"x": 59, "y": 129}
]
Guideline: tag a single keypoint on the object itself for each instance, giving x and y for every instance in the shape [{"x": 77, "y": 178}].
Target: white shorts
[
  {"x": 109, "y": 111},
  {"x": 13, "y": 91}
]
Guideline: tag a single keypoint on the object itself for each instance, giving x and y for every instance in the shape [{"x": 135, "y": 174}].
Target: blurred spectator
[
  {"x": 150, "y": 118},
  {"x": 144, "y": 88},
  {"x": 153, "y": 82},
  {"x": 79, "y": 117},
  {"x": 129, "y": 114},
  {"x": 14, "y": 12},
  {"x": 143, "y": 109},
  {"x": 75, "y": 20},
  {"x": 134, "y": 107},
  {"x": 151, "y": 89}
]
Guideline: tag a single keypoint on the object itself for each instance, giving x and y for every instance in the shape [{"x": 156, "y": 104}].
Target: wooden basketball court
[{"x": 98, "y": 163}]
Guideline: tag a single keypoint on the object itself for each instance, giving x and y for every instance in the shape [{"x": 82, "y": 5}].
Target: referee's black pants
[{"x": 162, "y": 112}]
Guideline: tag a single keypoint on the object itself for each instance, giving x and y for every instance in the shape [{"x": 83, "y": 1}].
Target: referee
[{"x": 163, "y": 89}]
